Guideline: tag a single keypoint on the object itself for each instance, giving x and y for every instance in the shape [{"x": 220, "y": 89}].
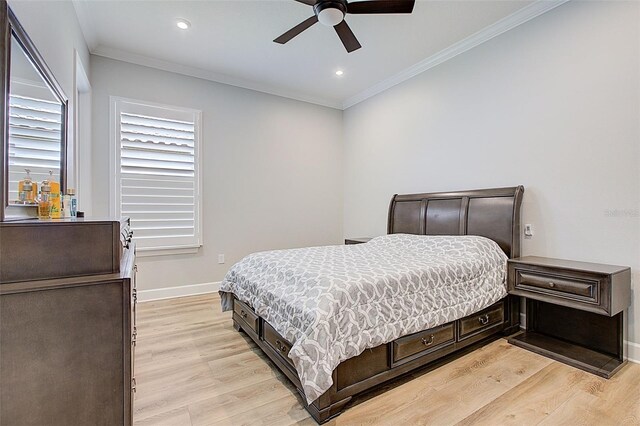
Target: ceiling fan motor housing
[{"x": 330, "y": 12}]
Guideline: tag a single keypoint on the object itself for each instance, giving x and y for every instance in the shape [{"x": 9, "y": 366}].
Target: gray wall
[
  {"x": 272, "y": 168},
  {"x": 53, "y": 26},
  {"x": 553, "y": 105}
]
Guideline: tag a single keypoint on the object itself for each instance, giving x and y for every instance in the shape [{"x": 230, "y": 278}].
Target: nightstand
[
  {"x": 576, "y": 311},
  {"x": 360, "y": 240}
]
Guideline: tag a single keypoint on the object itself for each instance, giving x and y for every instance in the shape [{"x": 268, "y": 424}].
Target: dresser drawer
[
  {"x": 277, "y": 343},
  {"x": 95, "y": 244},
  {"x": 422, "y": 343},
  {"x": 483, "y": 320},
  {"x": 557, "y": 285},
  {"x": 245, "y": 315}
]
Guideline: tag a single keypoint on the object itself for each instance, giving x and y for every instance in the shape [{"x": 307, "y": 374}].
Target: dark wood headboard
[{"x": 492, "y": 213}]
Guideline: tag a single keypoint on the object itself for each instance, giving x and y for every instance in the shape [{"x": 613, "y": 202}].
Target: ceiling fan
[{"x": 331, "y": 13}]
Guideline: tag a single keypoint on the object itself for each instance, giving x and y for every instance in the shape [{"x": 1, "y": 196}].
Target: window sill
[{"x": 166, "y": 251}]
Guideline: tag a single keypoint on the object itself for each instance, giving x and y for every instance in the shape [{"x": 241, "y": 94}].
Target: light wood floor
[{"x": 192, "y": 368}]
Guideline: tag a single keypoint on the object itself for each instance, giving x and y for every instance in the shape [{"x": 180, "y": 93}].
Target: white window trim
[{"x": 114, "y": 166}]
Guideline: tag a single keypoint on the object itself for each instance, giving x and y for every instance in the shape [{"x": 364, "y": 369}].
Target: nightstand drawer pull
[
  {"x": 551, "y": 284},
  {"x": 484, "y": 319},
  {"x": 243, "y": 314}
]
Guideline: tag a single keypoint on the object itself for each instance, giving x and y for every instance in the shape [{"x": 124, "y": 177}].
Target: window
[
  {"x": 34, "y": 138},
  {"x": 157, "y": 181}
]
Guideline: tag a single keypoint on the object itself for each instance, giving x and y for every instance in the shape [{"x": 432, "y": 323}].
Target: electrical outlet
[
  {"x": 528, "y": 230},
  {"x": 221, "y": 259}
]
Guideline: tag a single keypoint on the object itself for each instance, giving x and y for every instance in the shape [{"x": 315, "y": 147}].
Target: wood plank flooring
[{"x": 193, "y": 368}]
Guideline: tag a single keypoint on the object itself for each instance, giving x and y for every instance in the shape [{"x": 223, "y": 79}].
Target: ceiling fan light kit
[{"x": 331, "y": 13}]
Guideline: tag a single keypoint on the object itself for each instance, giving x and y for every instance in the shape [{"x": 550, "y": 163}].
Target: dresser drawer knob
[
  {"x": 427, "y": 342},
  {"x": 552, "y": 284},
  {"x": 243, "y": 314},
  {"x": 484, "y": 319}
]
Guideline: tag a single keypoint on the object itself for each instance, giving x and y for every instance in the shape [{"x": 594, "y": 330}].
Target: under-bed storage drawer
[
  {"x": 277, "y": 343},
  {"x": 483, "y": 320},
  {"x": 418, "y": 344},
  {"x": 245, "y": 315}
]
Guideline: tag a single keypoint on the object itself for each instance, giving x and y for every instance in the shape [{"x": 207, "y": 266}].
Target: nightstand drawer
[{"x": 557, "y": 285}]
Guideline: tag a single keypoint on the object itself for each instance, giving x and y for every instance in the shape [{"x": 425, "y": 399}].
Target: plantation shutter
[
  {"x": 34, "y": 138},
  {"x": 158, "y": 178}
]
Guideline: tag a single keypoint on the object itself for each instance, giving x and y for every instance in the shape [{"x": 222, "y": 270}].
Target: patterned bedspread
[{"x": 334, "y": 302}]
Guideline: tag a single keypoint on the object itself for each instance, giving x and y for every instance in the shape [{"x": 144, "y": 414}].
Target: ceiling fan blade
[
  {"x": 296, "y": 30},
  {"x": 381, "y": 6},
  {"x": 308, "y": 2},
  {"x": 347, "y": 37}
]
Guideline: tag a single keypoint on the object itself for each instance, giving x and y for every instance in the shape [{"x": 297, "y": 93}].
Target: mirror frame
[{"x": 10, "y": 26}]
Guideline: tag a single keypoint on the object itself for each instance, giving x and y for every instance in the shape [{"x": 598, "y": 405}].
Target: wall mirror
[{"x": 34, "y": 127}]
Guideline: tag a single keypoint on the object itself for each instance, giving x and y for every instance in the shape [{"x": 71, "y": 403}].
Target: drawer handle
[
  {"x": 427, "y": 342},
  {"x": 552, "y": 284},
  {"x": 281, "y": 347},
  {"x": 133, "y": 385},
  {"x": 484, "y": 319},
  {"x": 243, "y": 314}
]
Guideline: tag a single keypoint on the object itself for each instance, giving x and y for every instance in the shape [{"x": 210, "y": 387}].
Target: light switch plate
[{"x": 528, "y": 230}]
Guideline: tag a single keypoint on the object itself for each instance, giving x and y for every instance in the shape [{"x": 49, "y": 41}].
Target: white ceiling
[{"x": 231, "y": 41}]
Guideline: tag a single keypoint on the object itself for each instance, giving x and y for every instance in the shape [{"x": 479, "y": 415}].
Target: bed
[{"x": 342, "y": 320}]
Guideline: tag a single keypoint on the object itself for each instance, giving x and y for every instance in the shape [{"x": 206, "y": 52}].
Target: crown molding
[
  {"x": 507, "y": 23},
  {"x": 160, "y": 64}
]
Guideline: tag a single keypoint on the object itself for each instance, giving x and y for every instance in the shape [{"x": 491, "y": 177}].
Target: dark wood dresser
[
  {"x": 67, "y": 322},
  {"x": 576, "y": 311}
]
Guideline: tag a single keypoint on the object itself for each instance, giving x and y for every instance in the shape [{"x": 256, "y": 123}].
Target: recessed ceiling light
[
  {"x": 339, "y": 73},
  {"x": 183, "y": 24}
]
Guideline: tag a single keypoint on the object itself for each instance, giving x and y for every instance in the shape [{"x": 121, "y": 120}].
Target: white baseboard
[
  {"x": 180, "y": 291},
  {"x": 633, "y": 352}
]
